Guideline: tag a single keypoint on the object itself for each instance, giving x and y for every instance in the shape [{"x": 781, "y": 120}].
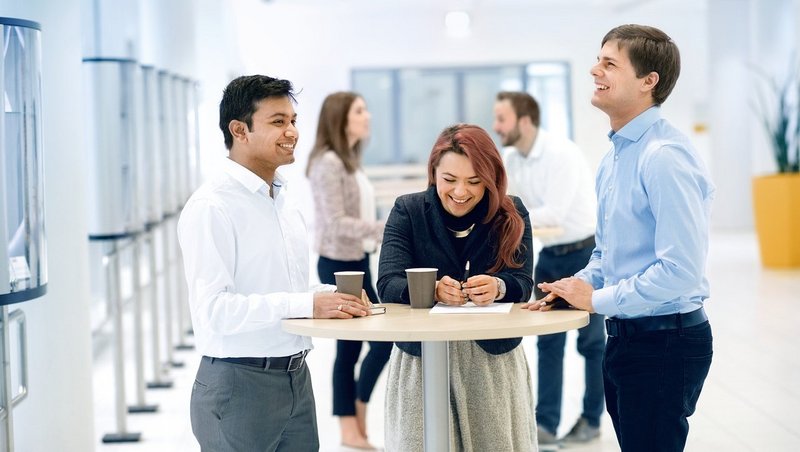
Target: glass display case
[
  {"x": 113, "y": 100},
  {"x": 169, "y": 156},
  {"x": 151, "y": 147},
  {"x": 23, "y": 253}
]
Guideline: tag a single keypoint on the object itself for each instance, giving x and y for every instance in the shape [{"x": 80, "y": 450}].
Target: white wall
[
  {"x": 315, "y": 45},
  {"x": 57, "y": 414},
  {"x": 188, "y": 37}
]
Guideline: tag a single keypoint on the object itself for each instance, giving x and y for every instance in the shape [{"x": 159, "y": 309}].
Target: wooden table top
[{"x": 401, "y": 323}]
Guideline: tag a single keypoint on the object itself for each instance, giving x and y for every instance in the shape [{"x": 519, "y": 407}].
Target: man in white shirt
[
  {"x": 246, "y": 258},
  {"x": 552, "y": 177}
]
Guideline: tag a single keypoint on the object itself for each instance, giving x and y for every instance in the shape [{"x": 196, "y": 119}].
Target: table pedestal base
[{"x": 436, "y": 395}]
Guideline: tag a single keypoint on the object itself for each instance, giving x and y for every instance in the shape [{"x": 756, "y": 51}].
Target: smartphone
[
  {"x": 559, "y": 303},
  {"x": 375, "y": 310}
]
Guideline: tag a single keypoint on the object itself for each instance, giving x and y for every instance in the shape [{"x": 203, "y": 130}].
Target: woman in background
[
  {"x": 464, "y": 215},
  {"x": 346, "y": 231}
]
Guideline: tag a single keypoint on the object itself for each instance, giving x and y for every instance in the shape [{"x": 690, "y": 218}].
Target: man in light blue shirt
[{"x": 647, "y": 271}]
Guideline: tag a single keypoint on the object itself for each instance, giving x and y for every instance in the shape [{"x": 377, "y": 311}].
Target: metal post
[
  {"x": 8, "y": 400},
  {"x": 115, "y": 304},
  {"x": 8, "y": 420},
  {"x": 138, "y": 337},
  {"x": 436, "y": 396},
  {"x": 158, "y": 367}
]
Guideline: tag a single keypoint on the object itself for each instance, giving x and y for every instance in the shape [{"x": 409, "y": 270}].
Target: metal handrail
[
  {"x": 16, "y": 316},
  {"x": 19, "y": 316}
]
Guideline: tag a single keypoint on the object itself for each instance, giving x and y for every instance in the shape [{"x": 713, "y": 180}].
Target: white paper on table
[{"x": 470, "y": 308}]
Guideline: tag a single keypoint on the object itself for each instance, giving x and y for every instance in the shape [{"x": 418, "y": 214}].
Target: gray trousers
[{"x": 241, "y": 408}]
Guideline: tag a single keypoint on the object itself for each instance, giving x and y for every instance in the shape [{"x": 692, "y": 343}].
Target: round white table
[{"x": 402, "y": 324}]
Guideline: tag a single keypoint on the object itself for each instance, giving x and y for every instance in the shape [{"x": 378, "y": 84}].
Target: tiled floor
[{"x": 748, "y": 402}]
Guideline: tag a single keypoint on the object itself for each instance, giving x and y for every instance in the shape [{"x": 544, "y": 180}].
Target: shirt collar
[
  {"x": 538, "y": 144},
  {"x": 250, "y": 180},
  {"x": 637, "y": 126}
]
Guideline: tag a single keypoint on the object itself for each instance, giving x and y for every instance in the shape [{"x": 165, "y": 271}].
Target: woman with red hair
[{"x": 464, "y": 216}]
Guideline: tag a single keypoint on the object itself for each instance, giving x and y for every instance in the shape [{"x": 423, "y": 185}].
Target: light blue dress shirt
[{"x": 654, "y": 199}]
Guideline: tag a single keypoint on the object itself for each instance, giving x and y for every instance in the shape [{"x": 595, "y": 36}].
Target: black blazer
[{"x": 415, "y": 236}]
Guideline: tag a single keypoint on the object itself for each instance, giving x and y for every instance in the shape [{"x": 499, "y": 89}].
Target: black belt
[
  {"x": 629, "y": 327},
  {"x": 560, "y": 250},
  {"x": 284, "y": 363}
]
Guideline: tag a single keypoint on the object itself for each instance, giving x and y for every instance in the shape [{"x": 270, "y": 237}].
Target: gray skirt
[{"x": 491, "y": 401}]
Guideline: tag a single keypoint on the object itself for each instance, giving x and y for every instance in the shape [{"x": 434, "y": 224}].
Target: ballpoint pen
[{"x": 466, "y": 277}]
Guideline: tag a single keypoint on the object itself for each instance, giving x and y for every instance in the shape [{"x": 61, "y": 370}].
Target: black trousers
[
  {"x": 591, "y": 345},
  {"x": 652, "y": 382},
  {"x": 346, "y": 388}
]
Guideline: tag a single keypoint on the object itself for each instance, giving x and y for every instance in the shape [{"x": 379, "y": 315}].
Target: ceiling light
[{"x": 457, "y": 24}]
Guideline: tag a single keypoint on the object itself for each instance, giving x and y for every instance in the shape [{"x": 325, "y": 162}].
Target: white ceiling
[{"x": 614, "y": 5}]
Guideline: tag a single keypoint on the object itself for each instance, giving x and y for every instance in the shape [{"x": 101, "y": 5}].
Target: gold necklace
[{"x": 462, "y": 234}]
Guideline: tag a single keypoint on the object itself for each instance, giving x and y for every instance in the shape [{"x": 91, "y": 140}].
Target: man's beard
[{"x": 512, "y": 137}]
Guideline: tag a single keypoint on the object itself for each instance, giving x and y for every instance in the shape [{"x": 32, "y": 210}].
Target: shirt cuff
[
  {"x": 604, "y": 302},
  {"x": 327, "y": 288},
  {"x": 301, "y": 306}
]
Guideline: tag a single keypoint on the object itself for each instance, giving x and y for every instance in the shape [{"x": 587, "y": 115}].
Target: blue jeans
[
  {"x": 591, "y": 343},
  {"x": 652, "y": 382}
]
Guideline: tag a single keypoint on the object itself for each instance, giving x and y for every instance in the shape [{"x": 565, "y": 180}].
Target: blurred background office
[{"x": 420, "y": 65}]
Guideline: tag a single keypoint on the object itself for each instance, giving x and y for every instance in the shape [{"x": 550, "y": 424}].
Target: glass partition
[
  {"x": 23, "y": 256},
  {"x": 112, "y": 103},
  {"x": 151, "y": 149},
  {"x": 410, "y": 106}
]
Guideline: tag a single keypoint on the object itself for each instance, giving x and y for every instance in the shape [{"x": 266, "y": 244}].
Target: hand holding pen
[
  {"x": 450, "y": 291},
  {"x": 479, "y": 289}
]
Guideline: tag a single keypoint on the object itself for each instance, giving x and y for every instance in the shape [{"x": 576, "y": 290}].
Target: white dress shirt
[
  {"x": 556, "y": 185},
  {"x": 246, "y": 260}
]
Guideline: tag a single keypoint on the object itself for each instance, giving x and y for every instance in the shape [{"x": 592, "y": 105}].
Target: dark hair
[
  {"x": 650, "y": 50},
  {"x": 523, "y": 104},
  {"x": 241, "y": 97},
  {"x": 474, "y": 143},
  {"x": 332, "y": 131}
]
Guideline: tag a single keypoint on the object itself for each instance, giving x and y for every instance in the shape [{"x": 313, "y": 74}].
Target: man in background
[{"x": 552, "y": 177}]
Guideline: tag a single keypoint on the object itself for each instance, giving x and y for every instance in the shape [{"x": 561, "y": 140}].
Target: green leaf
[{"x": 778, "y": 105}]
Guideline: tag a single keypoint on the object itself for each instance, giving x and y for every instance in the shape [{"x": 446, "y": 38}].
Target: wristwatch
[{"x": 501, "y": 288}]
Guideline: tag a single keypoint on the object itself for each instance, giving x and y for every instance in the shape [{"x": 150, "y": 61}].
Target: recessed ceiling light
[{"x": 457, "y": 24}]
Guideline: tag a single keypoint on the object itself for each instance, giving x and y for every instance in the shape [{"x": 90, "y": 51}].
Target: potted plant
[{"x": 776, "y": 197}]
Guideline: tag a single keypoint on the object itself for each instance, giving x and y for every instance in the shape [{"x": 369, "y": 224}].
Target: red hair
[{"x": 474, "y": 143}]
